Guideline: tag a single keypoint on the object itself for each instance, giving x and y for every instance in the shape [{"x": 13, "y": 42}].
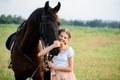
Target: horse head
[
  {"x": 51, "y": 23},
  {"x": 43, "y": 24}
]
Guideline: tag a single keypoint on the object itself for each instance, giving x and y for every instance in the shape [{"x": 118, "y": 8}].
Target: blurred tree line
[
  {"x": 11, "y": 19},
  {"x": 89, "y": 23}
]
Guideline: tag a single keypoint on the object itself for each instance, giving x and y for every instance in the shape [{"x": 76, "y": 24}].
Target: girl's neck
[{"x": 64, "y": 47}]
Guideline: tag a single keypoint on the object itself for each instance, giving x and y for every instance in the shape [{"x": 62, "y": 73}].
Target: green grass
[
  {"x": 5, "y": 31},
  {"x": 97, "y": 53}
]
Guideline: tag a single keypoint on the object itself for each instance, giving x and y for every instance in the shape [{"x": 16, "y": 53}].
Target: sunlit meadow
[{"x": 97, "y": 52}]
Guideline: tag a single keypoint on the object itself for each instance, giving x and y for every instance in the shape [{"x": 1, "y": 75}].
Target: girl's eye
[{"x": 64, "y": 37}]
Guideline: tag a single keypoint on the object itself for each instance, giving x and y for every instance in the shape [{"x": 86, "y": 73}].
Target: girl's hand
[
  {"x": 56, "y": 43},
  {"x": 51, "y": 65},
  {"x": 62, "y": 43}
]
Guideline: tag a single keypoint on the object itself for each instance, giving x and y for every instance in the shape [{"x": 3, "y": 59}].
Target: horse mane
[{"x": 30, "y": 32}]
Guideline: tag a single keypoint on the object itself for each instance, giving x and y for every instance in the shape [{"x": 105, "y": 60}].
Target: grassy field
[{"x": 97, "y": 53}]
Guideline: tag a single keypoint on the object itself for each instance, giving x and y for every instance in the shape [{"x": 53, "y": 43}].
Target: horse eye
[{"x": 58, "y": 23}]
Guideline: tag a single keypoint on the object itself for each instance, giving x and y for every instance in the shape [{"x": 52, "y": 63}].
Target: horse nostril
[{"x": 55, "y": 51}]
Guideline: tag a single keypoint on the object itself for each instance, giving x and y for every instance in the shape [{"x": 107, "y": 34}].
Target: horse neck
[
  {"x": 30, "y": 34},
  {"x": 28, "y": 40}
]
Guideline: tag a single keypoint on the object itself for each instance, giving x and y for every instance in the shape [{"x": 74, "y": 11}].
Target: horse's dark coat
[{"x": 42, "y": 23}]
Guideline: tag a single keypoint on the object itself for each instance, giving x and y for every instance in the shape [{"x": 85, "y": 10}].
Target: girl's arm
[
  {"x": 40, "y": 46},
  {"x": 46, "y": 50},
  {"x": 49, "y": 48},
  {"x": 60, "y": 68}
]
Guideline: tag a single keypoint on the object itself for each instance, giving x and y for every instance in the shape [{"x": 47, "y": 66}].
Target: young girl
[{"x": 62, "y": 64}]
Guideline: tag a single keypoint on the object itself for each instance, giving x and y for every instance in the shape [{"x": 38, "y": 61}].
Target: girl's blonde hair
[{"x": 66, "y": 31}]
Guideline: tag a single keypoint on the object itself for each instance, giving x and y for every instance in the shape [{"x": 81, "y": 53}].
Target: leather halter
[
  {"x": 43, "y": 38},
  {"x": 43, "y": 26}
]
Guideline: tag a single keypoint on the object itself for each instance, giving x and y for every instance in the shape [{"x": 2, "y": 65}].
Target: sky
[{"x": 70, "y": 9}]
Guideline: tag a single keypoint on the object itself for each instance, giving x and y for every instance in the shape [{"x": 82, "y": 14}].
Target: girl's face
[{"x": 63, "y": 37}]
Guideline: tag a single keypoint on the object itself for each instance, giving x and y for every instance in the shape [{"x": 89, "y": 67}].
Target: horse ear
[
  {"x": 46, "y": 6},
  {"x": 56, "y": 9}
]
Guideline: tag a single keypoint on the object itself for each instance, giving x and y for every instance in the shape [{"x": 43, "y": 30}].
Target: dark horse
[{"x": 41, "y": 25}]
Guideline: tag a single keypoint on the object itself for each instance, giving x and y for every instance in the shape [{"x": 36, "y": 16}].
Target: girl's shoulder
[
  {"x": 70, "y": 52},
  {"x": 70, "y": 48}
]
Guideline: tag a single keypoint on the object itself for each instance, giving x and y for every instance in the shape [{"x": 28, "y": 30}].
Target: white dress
[{"x": 62, "y": 60}]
